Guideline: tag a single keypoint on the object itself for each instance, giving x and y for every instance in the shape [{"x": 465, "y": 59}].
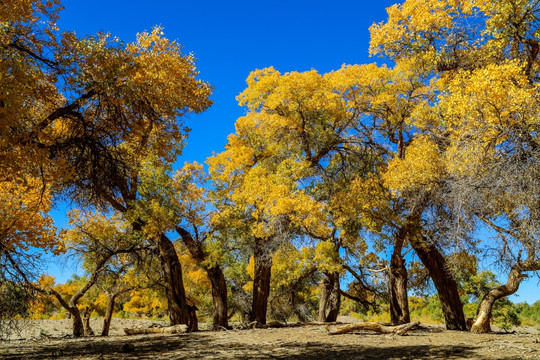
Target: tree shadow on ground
[{"x": 206, "y": 346}]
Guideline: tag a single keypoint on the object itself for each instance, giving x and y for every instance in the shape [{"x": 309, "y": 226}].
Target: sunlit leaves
[
  {"x": 422, "y": 166},
  {"x": 24, "y": 218}
]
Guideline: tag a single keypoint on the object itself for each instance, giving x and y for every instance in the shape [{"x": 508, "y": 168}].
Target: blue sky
[{"x": 232, "y": 38}]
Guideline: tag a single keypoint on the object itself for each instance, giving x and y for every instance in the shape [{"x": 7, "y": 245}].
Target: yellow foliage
[
  {"x": 24, "y": 218},
  {"x": 146, "y": 302},
  {"x": 422, "y": 166}
]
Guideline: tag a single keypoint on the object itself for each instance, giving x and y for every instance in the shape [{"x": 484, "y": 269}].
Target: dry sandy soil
[{"x": 308, "y": 342}]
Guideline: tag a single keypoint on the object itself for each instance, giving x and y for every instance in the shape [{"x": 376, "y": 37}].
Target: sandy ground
[
  {"x": 38, "y": 329},
  {"x": 309, "y": 342}
]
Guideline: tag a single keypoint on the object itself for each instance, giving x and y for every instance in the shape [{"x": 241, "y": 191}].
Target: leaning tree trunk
[
  {"x": 482, "y": 322},
  {"x": 330, "y": 298},
  {"x": 216, "y": 276},
  {"x": 176, "y": 294},
  {"x": 397, "y": 276},
  {"x": 261, "y": 281},
  {"x": 111, "y": 299},
  {"x": 445, "y": 284}
]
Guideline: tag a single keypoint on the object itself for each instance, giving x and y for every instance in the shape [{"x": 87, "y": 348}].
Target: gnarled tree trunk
[
  {"x": 330, "y": 298},
  {"x": 483, "y": 316},
  {"x": 397, "y": 278},
  {"x": 86, "y": 324},
  {"x": 445, "y": 284},
  {"x": 399, "y": 299},
  {"x": 176, "y": 294},
  {"x": 261, "y": 281}
]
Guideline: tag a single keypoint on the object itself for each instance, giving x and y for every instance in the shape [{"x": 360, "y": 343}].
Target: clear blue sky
[{"x": 232, "y": 38}]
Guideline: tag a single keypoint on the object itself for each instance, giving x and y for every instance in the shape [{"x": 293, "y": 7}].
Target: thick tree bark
[
  {"x": 261, "y": 281},
  {"x": 445, "y": 284},
  {"x": 111, "y": 299},
  {"x": 399, "y": 300},
  {"x": 483, "y": 317},
  {"x": 176, "y": 294},
  {"x": 217, "y": 280},
  {"x": 78, "y": 327},
  {"x": 330, "y": 298},
  {"x": 172, "y": 271},
  {"x": 219, "y": 297},
  {"x": 86, "y": 324}
]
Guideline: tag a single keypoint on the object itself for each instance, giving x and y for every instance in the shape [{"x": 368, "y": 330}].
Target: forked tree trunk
[
  {"x": 397, "y": 277},
  {"x": 176, "y": 294},
  {"x": 111, "y": 299},
  {"x": 445, "y": 284},
  {"x": 483, "y": 317},
  {"x": 330, "y": 298},
  {"x": 261, "y": 281},
  {"x": 217, "y": 280},
  {"x": 71, "y": 305}
]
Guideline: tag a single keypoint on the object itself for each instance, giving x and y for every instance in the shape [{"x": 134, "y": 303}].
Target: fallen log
[
  {"x": 398, "y": 330},
  {"x": 176, "y": 329},
  {"x": 277, "y": 324}
]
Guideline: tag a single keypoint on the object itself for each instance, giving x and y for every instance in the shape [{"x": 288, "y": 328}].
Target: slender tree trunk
[
  {"x": 176, "y": 294},
  {"x": 111, "y": 299},
  {"x": 482, "y": 322},
  {"x": 399, "y": 300},
  {"x": 217, "y": 280},
  {"x": 261, "y": 281},
  {"x": 445, "y": 284},
  {"x": 330, "y": 298}
]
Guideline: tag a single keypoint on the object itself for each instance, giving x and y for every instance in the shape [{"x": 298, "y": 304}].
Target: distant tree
[{"x": 96, "y": 240}]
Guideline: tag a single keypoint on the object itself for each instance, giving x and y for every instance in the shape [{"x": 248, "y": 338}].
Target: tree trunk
[
  {"x": 111, "y": 299},
  {"x": 78, "y": 327},
  {"x": 397, "y": 276},
  {"x": 217, "y": 279},
  {"x": 176, "y": 294},
  {"x": 219, "y": 297},
  {"x": 445, "y": 284},
  {"x": 330, "y": 298},
  {"x": 399, "y": 300},
  {"x": 483, "y": 316},
  {"x": 261, "y": 281},
  {"x": 86, "y": 324}
]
